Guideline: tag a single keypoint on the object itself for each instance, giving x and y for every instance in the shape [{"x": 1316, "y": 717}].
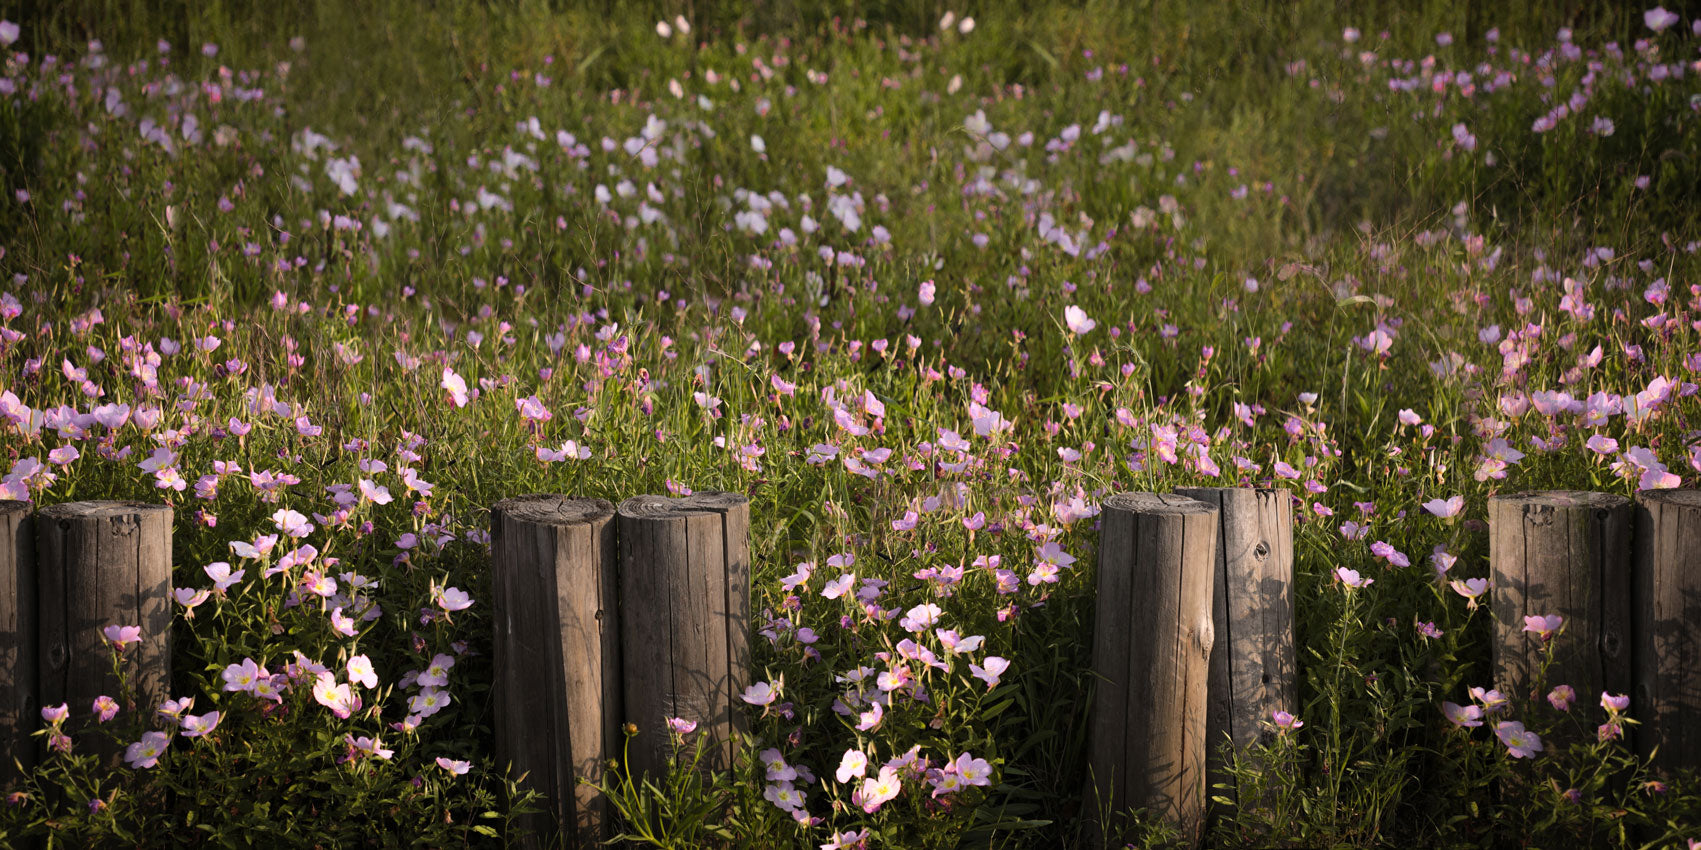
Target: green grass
[{"x": 1361, "y": 214}]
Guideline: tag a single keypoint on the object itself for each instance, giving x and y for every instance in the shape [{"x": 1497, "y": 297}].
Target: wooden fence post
[
  {"x": 1151, "y": 651},
  {"x": 685, "y": 620},
  {"x": 101, "y": 564},
  {"x": 557, "y": 657},
  {"x": 1666, "y": 627},
  {"x": 1567, "y": 553},
  {"x": 19, "y": 709},
  {"x": 1252, "y": 659}
]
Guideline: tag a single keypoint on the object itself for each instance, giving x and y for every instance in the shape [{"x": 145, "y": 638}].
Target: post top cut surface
[
  {"x": 1261, "y": 491},
  {"x": 664, "y": 507},
  {"x": 100, "y": 510},
  {"x": 551, "y": 509},
  {"x": 1158, "y": 503},
  {"x": 1564, "y": 499},
  {"x": 1677, "y": 498},
  {"x": 13, "y": 506}
]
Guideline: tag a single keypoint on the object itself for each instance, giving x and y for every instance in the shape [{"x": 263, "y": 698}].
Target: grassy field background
[{"x": 830, "y": 255}]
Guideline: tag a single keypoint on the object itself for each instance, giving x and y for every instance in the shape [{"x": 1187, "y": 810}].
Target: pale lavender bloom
[
  {"x": 1544, "y": 626},
  {"x": 1351, "y": 578},
  {"x": 761, "y": 693},
  {"x": 194, "y": 726},
  {"x": 454, "y": 599},
  {"x": 1520, "y": 742},
  {"x": 146, "y": 752},
  {"x": 1445, "y": 508},
  {"x": 1658, "y": 18},
  {"x": 1462, "y": 715},
  {"x": 992, "y": 670}
]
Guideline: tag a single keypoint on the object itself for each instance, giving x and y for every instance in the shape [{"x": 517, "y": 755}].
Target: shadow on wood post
[
  {"x": 1151, "y": 652},
  {"x": 557, "y": 658},
  {"x": 102, "y": 564},
  {"x": 1666, "y": 585},
  {"x": 1562, "y": 552},
  {"x": 685, "y": 621},
  {"x": 1252, "y": 664},
  {"x": 20, "y": 710}
]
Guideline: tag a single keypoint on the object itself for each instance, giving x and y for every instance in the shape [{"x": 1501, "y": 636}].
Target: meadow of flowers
[{"x": 926, "y": 285}]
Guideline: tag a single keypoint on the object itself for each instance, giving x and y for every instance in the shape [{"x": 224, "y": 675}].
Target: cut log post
[
  {"x": 1666, "y": 628},
  {"x": 103, "y": 564},
  {"x": 685, "y": 621},
  {"x": 19, "y": 709},
  {"x": 1151, "y": 652},
  {"x": 1565, "y": 553},
  {"x": 557, "y": 658},
  {"x": 1252, "y": 659}
]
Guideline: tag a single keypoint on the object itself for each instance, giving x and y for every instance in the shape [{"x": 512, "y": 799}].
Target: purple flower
[
  {"x": 761, "y": 693},
  {"x": 1351, "y": 578},
  {"x": 1462, "y": 715},
  {"x": 1445, "y": 508},
  {"x": 146, "y": 752},
  {"x": 1658, "y": 18},
  {"x": 991, "y": 671},
  {"x": 453, "y": 599},
  {"x": 1520, "y": 742},
  {"x": 122, "y": 636},
  {"x": 1544, "y": 626}
]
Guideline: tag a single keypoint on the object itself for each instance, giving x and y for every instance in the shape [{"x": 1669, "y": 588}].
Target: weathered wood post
[
  {"x": 1666, "y": 627},
  {"x": 1252, "y": 659},
  {"x": 19, "y": 709},
  {"x": 1151, "y": 653},
  {"x": 684, "y": 620},
  {"x": 102, "y": 564},
  {"x": 1568, "y": 553},
  {"x": 557, "y": 657}
]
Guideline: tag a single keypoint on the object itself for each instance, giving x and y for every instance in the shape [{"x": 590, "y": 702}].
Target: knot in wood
[
  {"x": 1205, "y": 634},
  {"x": 1261, "y": 551},
  {"x": 1611, "y": 643},
  {"x": 1540, "y": 516}
]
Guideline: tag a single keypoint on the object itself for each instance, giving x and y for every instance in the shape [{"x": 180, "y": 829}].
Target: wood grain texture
[
  {"x": 1253, "y": 668},
  {"x": 20, "y": 710},
  {"x": 1666, "y": 633},
  {"x": 1566, "y": 553},
  {"x": 557, "y": 657},
  {"x": 1151, "y": 652},
  {"x": 101, "y": 564},
  {"x": 685, "y": 620}
]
